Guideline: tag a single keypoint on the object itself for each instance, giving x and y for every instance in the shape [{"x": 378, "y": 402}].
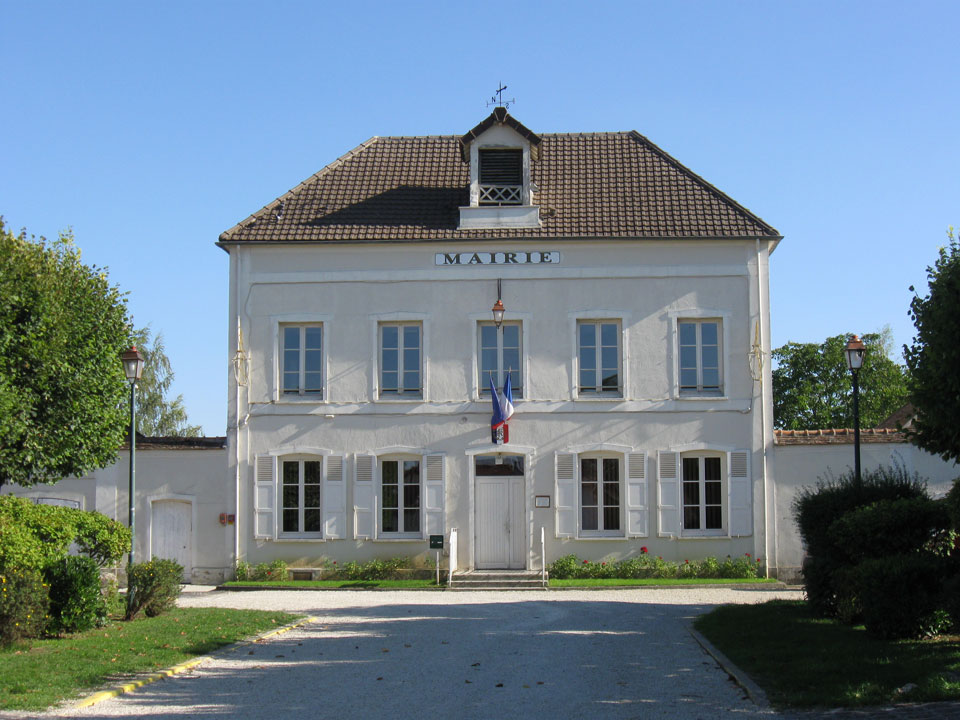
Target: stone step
[{"x": 496, "y": 580}]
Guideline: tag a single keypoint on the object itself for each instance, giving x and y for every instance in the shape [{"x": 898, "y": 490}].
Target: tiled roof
[
  {"x": 591, "y": 185},
  {"x": 837, "y": 437},
  {"x": 170, "y": 442}
]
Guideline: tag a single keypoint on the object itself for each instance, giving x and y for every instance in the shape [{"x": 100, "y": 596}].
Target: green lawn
[
  {"x": 625, "y": 582},
  {"x": 802, "y": 661},
  {"x": 40, "y": 673},
  {"x": 333, "y": 583}
]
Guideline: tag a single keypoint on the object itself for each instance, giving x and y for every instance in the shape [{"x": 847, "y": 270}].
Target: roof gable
[
  {"x": 499, "y": 116},
  {"x": 589, "y": 185}
]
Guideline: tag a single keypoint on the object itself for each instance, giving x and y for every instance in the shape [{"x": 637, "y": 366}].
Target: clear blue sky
[{"x": 151, "y": 128}]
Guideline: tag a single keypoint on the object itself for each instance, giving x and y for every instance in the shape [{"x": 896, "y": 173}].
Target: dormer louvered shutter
[
  {"x": 668, "y": 493},
  {"x": 501, "y": 166},
  {"x": 740, "y": 493}
]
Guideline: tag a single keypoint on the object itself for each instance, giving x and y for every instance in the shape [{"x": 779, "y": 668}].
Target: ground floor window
[
  {"x": 400, "y": 498},
  {"x": 600, "y": 496},
  {"x": 301, "y": 511},
  {"x": 702, "y": 494}
]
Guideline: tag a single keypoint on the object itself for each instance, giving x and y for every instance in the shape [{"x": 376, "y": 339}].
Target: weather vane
[{"x": 498, "y": 100}]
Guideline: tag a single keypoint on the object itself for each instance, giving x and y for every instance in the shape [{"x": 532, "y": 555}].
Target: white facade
[{"x": 646, "y": 430}]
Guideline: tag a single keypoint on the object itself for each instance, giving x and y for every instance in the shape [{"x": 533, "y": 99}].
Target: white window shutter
[
  {"x": 364, "y": 472},
  {"x": 265, "y": 498},
  {"x": 334, "y": 499},
  {"x": 740, "y": 493},
  {"x": 668, "y": 493},
  {"x": 637, "y": 508},
  {"x": 566, "y": 495},
  {"x": 433, "y": 495}
]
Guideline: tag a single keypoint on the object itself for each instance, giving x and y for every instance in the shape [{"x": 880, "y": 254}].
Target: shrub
[
  {"x": 243, "y": 570},
  {"x": 155, "y": 586},
  {"x": 76, "y": 601},
  {"x": 277, "y": 570},
  {"x": 23, "y": 605},
  {"x": 647, "y": 566},
  {"x": 370, "y": 570},
  {"x": 888, "y": 527},
  {"x": 952, "y": 502},
  {"x": 900, "y": 595},
  {"x": 103, "y": 539}
]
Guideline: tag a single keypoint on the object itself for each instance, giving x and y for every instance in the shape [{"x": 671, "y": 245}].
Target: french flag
[
  {"x": 498, "y": 418},
  {"x": 506, "y": 400}
]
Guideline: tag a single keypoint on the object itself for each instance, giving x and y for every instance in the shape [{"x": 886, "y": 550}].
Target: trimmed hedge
[
  {"x": 23, "y": 605},
  {"x": 570, "y": 567}
]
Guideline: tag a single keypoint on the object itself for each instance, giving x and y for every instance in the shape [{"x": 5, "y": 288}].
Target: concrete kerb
[
  {"x": 754, "y": 691},
  {"x": 184, "y": 666}
]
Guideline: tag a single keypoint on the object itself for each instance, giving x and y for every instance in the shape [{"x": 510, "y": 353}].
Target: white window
[
  {"x": 501, "y": 176},
  {"x": 699, "y": 357},
  {"x": 301, "y": 512},
  {"x": 301, "y": 360},
  {"x": 400, "y": 498},
  {"x": 598, "y": 347},
  {"x": 500, "y": 354},
  {"x": 702, "y": 494},
  {"x": 401, "y": 355},
  {"x": 600, "y": 496}
]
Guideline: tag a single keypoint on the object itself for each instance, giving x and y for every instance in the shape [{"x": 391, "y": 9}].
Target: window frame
[
  {"x": 280, "y": 507},
  {"x": 595, "y": 393},
  {"x": 601, "y": 531},
  {"x": 401, "y": 533},
  {"x": 301, "y": 392},
  {"x": 399, "y": 393},
  {"x": 483, "y": 382},
  {"x": 700, "y": 390},
  {"x": 723, "y": 482}
]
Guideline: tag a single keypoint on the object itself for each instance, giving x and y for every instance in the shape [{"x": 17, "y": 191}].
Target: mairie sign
[{"x": 534, "y": 257}]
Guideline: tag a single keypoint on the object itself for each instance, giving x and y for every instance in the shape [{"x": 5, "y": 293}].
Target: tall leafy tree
[
  {"x": 156, "y": 414},
  {"x": 813, "y": 389},
  {"x": 63, "y": 405},
  {"x": 934, "y": 356}
]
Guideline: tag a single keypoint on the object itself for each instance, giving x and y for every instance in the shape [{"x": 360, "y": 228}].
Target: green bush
[
  {"x": 23, "y": 605},
  {"x": 76, "y": 601},
  {"x": 888, "y": 527},
  {"x": 243, "y": 570},
  {"x": 370, "y": 570},
  {"x": 103, "y": 539},
  {"x": 952, "y": 502},
  {"x": 901, "y": 595},
  {"x": 570, "y": 567},
  {"x": 155, "y": 586}
]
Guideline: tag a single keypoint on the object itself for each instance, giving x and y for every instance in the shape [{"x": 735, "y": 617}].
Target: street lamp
[
  {"x": 133, "y": 369},
  {"x": 498, "y": 309},
  {"x": 854, "y": 355}
]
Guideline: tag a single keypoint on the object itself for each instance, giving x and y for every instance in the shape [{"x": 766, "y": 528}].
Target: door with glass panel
[{"x": 500, "y": 512}]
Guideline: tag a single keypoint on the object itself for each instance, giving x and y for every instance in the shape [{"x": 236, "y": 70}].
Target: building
[{"x": 635, "y": 327}]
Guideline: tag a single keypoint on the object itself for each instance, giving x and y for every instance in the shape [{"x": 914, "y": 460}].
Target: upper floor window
[
  {"x": 302, "y": 359},
  {"x": 700, "y": 371},
  {"x": 600, "y": 496},
  {"x": 300, "y": 508},
  {"x": 702, "y": 494},
  {"x": 401, "y": 360},
  {"x": 400, "y": 498},
  {"x": 599, "y": 355},
  {"x": 500, "y": 354},
  {"x": 501, "y": 176}
]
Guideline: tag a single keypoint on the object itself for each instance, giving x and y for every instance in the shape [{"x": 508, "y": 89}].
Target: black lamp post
[
  {"x": 132, "y": 368},
  {"x": 854, "y": 354}
]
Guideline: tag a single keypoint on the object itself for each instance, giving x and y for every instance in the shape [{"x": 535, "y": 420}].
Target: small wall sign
[
  {"x": 436, "y": 542},
  {"x": 535, "y": 257},
  {"x": 543, "y": 501}
]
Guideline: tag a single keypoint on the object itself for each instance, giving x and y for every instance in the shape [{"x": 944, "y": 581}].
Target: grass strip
[
  {"x": 39, "y": 673},
  {"x": 348, "y": 584},
  {"x": 803, "y": 661},
  {"x": 626, "y": 582}
]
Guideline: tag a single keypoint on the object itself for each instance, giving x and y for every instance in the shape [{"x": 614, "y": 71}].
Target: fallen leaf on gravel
[
  {"x": 475, "y": 665},
  {"x": 527, "y": 686},
  {"x": 499, "y": 685},
  {"x": 468, "y": 682},
  {"x": 379, "y": 678},
  {"x": 539, "y": 682},
  {"x": 385, "y": 650}
]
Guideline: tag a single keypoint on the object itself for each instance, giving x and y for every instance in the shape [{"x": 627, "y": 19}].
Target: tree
[
  {"x": 812, "y": 387},
  {"x": 63, "y": 406},
  {"x": 156, "y": 415},
  {"x": 934, "y": 357}
]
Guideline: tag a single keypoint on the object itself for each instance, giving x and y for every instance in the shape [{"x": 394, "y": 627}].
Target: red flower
[
  {"x": 659, "y": 557},
  {"x": 334, "y": 562},
  {"x": 644, "y": 549},
  {"x": 747, "y": 554},
  {"x": 585, "y": 562},
  {"x": 686, "y": 562},
  {"x": 603, "y": 564},
  {"x": 758, "y": 559}
]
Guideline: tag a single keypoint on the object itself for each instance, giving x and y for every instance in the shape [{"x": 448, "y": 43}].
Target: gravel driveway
[{"x": 409, "y": 654}]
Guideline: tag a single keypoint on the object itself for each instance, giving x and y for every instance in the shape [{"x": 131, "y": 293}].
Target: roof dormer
[{"x": 500, "y": 151}]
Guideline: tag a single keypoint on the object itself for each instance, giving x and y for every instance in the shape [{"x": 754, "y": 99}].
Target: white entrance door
[
  {"x": 501, "y": 532},
  {"x": 171, "y": 533}
]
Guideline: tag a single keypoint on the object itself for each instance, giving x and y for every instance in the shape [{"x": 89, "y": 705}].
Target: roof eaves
[{"x": 498, "y": 116}]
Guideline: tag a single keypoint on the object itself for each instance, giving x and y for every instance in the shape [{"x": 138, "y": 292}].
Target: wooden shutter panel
[
  {"x": 265, "y": 498},
  {"x": 363, "y": 497},
  {"x": 433, "y": 495},
  {"x": 566, "y": 495},
  {"x": 668, "y": 493},
  {"x": 740, "y": 493},
  {"x": 637, "y": 509},
  {"x": 334, "y": 499}
]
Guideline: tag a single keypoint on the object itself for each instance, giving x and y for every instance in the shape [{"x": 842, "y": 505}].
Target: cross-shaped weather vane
[{"x": 498, "y": 100}]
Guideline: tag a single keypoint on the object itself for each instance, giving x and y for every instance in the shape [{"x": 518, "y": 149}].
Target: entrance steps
[{"x": 497, "y": 580}]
